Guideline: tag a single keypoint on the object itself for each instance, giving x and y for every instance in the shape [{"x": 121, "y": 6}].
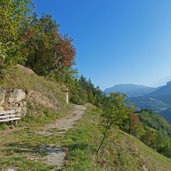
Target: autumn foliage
[
  {"x": 134, "y": 120},
  {"x": 67, "y": 50},
  {"x": 32, "y": 41},
  {"x": 47, "y": 50}
]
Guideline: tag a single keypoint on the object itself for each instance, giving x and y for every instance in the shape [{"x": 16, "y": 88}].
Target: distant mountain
[
  {"x": 167, "y": 114},
  {"x": 158, "y": 101},
  {"x": 163, "y": 93},
  {"x": 145, "y": 102},
  {"x": 131, "y": 90},
  {"x": 163, "y": 90}
]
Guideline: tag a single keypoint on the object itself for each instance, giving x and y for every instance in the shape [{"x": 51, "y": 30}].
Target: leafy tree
[
  {"x": 77, "y": 94},
  {"x": 94, "y": 94},
  {"x": 157, "y": 131},
  {"x": 48, "y": 51},
  {"x": 115, "y": 114},
  {"x": 149, "y": 138},
  {"x": 135, "y": 127},
  {"x": 13, "y": 13}
]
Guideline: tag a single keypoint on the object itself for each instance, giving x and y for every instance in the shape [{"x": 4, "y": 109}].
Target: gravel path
[{"x": 56, "y": 154}]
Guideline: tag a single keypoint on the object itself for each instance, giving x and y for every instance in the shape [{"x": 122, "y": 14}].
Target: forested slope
[{"x": 37, "y": 58}]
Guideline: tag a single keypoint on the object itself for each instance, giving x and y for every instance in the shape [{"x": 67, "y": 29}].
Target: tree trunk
[{"x": 104, "y": 136}]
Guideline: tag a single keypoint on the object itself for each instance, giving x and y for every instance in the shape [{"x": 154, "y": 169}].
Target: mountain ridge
[
  {"x": 144, "y": 97},
  {"x": 132, "y": 90}
]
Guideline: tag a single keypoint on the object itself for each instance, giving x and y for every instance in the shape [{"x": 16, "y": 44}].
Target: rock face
[{"x": 13, "y": 99}]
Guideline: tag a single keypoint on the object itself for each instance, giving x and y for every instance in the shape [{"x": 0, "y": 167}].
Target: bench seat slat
[
  {"x": 11, "y": 119},
  {"x": 8, "y": 112},
  {"x": 8, "y": 116}
]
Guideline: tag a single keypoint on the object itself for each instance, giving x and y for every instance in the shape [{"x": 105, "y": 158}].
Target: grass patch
[
  {"x": 22, "y": 164},
  {"x": 21, "y": 149},
  {"x": 17, "y": 146},
  {"x": 3, "y": 126},
  {"x": 122, "y": 151}
]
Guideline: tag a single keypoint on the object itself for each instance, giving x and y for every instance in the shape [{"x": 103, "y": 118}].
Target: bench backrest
[{"x": 7, "y": 114}]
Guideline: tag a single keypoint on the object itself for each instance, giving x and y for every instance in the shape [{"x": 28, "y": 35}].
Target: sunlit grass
[{"x": 122, "y": 151}]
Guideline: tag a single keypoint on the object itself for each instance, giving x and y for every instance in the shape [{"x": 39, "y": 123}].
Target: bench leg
[{"x": 13, "y": 124}]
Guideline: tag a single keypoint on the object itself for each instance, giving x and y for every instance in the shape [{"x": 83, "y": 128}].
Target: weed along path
[
  {"x": 36, "y": 146},
  {"x": 56, "y": 154}
]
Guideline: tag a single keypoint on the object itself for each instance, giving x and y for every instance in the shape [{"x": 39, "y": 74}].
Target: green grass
[
  {"x": 122, "y": 152},
  {"x": 18, "y": 147},
  {"x": 21, "y": 163},
  {"x": 21, "y": 77},
  {"x": 19, "y": 144}
]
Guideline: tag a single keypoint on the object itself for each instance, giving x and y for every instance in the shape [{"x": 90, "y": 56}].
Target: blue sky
[{"x": 117, "y": 41}]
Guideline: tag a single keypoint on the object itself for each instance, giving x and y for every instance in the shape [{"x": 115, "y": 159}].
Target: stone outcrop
[
  {"x": 13, "y": 99},
  {"x": 41, "y": 99}
]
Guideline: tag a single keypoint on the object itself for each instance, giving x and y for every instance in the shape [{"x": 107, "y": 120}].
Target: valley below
[{"x": 142, "y": 97}]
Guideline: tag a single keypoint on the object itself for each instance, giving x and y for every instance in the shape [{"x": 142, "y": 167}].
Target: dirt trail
[{"x": 56, "y": 154}]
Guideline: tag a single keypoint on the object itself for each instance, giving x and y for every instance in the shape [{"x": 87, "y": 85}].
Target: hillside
[
  {"x": 164, "y": 90},
  {"x": 51, "y": 117},
  {"x": 167, "y": 114},
  {"x": 45, "y": 104},
  {"x": 154, "y": 120},
  {"x": 41, "y": 92},
  {"x": 131, "y": 90},
  {"x": 163, "y": 94},
  {"x": 29, "y": 144},
  {"x": 159, "y": 101},
  {"x": 122, "y": 151},
  {"x": 145, "y": 102},
  {"x": 156, "y": 132}
]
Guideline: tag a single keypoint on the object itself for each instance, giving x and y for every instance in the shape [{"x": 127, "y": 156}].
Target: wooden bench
[{"x": 9, "y": 116}]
